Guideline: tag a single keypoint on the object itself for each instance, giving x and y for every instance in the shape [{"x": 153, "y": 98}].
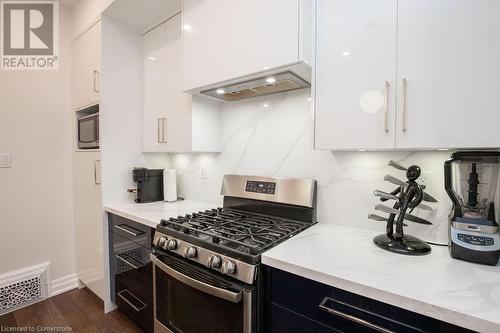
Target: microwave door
[{"x": 88, "y": 132}]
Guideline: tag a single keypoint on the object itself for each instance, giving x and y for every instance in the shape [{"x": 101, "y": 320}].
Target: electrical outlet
[
  {"x": 203, "y": 171},
  {"x": 5, "y": 161}
]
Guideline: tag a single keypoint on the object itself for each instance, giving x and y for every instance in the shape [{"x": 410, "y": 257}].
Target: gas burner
[{"x": 244, "y": 232}]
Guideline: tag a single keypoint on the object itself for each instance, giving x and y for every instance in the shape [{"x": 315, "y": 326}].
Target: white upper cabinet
[
  {"x": 355, "y": 74},
  {"x": 227, "y": 39},
  {"x": 86, "y": 65},
  {"x": 448, "y": 53},
  {"x": 407, "y": 74},
  {"x": 170, "y": 115}
]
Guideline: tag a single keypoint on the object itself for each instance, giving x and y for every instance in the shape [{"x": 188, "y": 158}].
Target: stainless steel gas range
[{"x": 207, "y": 272}]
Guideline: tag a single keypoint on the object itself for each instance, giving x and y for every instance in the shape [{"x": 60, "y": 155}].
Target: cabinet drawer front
[
  {"x": 127, "y": 254},
  {"x": 339, "y": 309},
  {"x": 135, "y": 306},
  {"x": 285, "y": 321},
  {"x": 134, "y": 231}
]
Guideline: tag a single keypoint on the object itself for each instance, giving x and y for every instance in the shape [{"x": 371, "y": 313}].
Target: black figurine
[{"x": 410, "y": 196}]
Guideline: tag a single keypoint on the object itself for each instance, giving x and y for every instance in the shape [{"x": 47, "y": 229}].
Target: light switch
[{"x": 5, "y": 160}]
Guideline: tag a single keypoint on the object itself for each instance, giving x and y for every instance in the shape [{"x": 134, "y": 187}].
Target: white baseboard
[{"x": 63, "y": 284}]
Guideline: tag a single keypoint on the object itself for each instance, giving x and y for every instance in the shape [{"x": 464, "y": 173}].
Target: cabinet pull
[
  {"x": 121, "y": 295},
  {"x": 349, "y": 317},
  {"x": 135, "y": 234},
  {"x": 403, "y": 120},
  {"x": 128, "y": 262},
  {"x": 96, "y": 73},
  {"x": 97, "y": 180},
  {"x": 159, "y": 135},
  {"x": 386, "y": 107},
  {"x": 164, "y": 120}
]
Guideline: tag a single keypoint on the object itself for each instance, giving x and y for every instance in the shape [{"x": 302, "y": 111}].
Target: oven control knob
[
  {"x": 171, "y": 244},
  {"x": 228, "y": 267},
  {"x": 160, "y": 241},
  {"x": 190, "y": 252},
  {"x": 214, "y": 262}
]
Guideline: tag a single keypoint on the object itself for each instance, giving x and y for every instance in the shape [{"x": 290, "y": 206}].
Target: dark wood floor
[{"x": 78, "y": 310}]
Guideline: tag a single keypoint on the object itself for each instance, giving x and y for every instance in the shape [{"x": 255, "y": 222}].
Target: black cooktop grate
[{"x": 244, "y": 232}]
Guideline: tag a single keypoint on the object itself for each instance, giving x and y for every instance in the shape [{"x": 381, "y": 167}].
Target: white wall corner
[{"x": 63, "y": 284}]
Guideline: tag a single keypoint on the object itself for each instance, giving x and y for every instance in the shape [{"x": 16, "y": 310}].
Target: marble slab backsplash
[{"x": 273, "y": 136}]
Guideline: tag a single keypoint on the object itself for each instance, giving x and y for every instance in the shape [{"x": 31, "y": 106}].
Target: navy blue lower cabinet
[
  {"x": 295, "y": 304},
  {"x": 286, "y": 321}
]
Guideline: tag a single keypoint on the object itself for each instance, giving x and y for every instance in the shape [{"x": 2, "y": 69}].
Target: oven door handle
[{"x": 201, "y": 286}]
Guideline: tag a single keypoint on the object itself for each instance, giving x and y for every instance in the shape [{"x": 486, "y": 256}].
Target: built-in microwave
[{"x": 88, "y": 131}]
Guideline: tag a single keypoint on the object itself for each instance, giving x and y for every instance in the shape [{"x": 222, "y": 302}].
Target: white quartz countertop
[
  {"x": 152, "y": 213},
  {"x": 434, "y": 285}
]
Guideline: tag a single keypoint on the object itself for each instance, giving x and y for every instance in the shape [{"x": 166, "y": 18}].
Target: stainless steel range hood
[{"x": 277, "y": 80}]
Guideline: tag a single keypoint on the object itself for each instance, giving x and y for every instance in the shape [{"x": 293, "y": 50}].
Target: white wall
[
  {"x": 36, "y": 198},
  {"x": 277, "y": 140}
]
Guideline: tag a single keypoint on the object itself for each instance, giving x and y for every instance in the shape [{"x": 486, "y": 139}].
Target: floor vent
[{"x": 22, "y": 288}]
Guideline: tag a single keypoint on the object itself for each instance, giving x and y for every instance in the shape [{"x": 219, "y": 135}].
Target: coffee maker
[
  {"x": 472, "y": 182},
  {"x": 149, "y": 185}
]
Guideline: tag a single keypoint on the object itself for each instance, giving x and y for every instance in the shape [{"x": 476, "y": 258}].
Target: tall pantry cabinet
[{"x": 86, "y": 71}]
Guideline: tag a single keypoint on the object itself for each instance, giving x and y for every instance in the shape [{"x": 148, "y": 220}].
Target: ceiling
[{"x": 143, "y": 15}]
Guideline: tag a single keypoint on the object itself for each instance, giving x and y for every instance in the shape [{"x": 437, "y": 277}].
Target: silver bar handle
[
  {"x": 96, "y": 89},
  {"x": 128, "y": 231},
  {"x": 404, "y": 115},
  {"x": 164, "y": 121},
  {"x": 201, "y": 286},
  {"x": 386, "y": 107},
  {"x": 159, "y": 135},
  {"x": 96, "y": 169},
  {"x": 349, "y": 317},
  {"x": 128, "y": 262},
  {"x": 130, "y": 303}
]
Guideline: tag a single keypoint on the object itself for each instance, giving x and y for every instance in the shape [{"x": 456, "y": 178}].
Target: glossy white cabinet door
[
  {"x": 449, "y": 53},
  {"x": 86, "y": 65},
  {"x": 153, "y": 112},
  {"x": 355, "y": 74},
  {"x": 226, "y": 39},
  {"x": 88, "y": 220},
  {"x": 168, "y": 119},
  {"x": 177, "y": 121}
]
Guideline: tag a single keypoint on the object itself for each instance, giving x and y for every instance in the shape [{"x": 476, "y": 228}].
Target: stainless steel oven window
[{"x": 207, "y": 302}]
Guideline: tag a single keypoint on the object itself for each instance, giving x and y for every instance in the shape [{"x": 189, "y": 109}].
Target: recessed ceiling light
[
  {"x": 309, "y": 99},
  {"x": 266, "y": 67},
  {"x": 152, "y": 58},
  {"x": 266, "y": 105},
  {"x": 346, "y": 53},
  {"x": 186, "y": 27},
  {"x": 220, "y": 91},
  {"x": 270, "y": 80}
]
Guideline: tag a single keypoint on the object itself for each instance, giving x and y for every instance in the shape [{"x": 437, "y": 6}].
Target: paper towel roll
[{"x": 169, "y": 185}]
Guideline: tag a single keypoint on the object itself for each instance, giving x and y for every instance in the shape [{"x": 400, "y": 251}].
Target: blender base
[{"x": 408, "y": 245}]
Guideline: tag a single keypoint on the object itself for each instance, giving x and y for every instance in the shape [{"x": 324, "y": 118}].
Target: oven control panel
[
  {"x": 260, "y": 187},
  {"x": 212, "y": 260}
]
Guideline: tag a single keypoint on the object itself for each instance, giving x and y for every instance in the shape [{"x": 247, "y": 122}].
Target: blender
[{"x": 472, "y": 182}]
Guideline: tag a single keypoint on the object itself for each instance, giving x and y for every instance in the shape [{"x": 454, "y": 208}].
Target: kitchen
[{"x": 210, "y": 166}]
